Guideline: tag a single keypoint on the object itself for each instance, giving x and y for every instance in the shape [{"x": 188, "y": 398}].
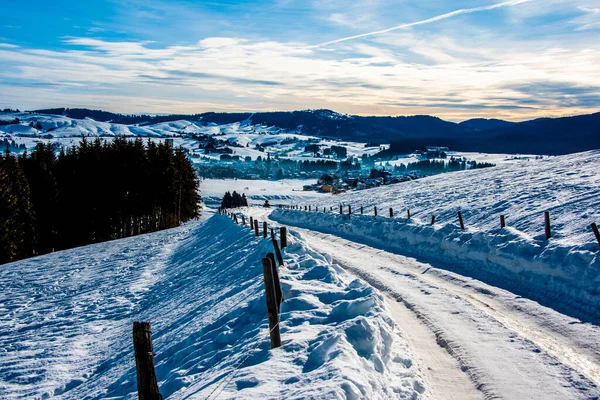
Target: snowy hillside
[
  {"x": 563, "y": 272},
  {"x": 65, "y": 322},
  {"x": 245, "y": 136}
]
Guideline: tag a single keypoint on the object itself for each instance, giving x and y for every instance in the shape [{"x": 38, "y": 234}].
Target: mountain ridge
[{"x": 556, "y": 136}]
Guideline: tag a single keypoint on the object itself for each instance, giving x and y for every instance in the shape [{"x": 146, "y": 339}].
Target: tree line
[
  {"x": 438, "y": 166},
  {"x": 90, "y": 193},
  {"x": 234, "y": 200}
]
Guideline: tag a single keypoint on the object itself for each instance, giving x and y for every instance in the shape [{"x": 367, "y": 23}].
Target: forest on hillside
[{"x": 90, "y": 193}]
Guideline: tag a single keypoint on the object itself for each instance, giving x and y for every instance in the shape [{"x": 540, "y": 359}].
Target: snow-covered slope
[
  {"x": 65, "y": 322},
  {"x": 246, "y": 138},
  {"x": 563, "y": 272}
]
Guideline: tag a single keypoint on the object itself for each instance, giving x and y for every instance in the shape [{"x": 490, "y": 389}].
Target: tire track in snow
[{"x": 427, "y": 281}]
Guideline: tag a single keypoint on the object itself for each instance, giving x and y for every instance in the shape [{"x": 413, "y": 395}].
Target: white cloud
[{"x": 239, "y": 74}]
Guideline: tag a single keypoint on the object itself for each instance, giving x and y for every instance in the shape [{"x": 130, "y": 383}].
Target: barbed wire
[{"x": 232, "y": 374}]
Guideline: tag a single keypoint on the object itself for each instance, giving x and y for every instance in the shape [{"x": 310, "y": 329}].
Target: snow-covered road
[{"x": 508, "y": 346}]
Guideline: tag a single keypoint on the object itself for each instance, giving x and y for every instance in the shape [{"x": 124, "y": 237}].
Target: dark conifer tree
[{"x": 16, "y": 215}]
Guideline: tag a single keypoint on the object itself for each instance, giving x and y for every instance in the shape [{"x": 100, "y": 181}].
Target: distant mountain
[
  {"x": 105, "y": 116},
  {"x": 540, "y": 136},
  {"x": 482, "y": 124}
]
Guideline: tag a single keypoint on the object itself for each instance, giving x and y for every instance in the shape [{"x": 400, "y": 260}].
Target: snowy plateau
[{"x": 376, "y": 307}]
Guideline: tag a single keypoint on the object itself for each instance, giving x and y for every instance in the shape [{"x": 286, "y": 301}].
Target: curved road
[{"x": 473, "y": 340}]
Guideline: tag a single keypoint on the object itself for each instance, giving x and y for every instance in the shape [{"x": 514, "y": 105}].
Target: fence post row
[
  {"x": 547, "y": 225},
  {"x": 144, "y": 362},
  {"x": 272, "y": 309}
]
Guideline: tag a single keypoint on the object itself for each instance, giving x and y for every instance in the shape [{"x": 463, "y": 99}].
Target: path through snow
[{"x": 510, "y": 347}]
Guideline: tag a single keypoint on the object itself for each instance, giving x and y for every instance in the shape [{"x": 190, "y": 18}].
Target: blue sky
[{"x": 512, "y": 59}]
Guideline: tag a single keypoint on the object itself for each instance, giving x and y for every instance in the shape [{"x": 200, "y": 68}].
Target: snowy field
[
  {"x": 65, "y": 322},
  {"x": 563, "y": 272},
  {"x": 479, "y": 157},
  {"x": 257, "y": 191},
  {"x": 68, "y": 132}
]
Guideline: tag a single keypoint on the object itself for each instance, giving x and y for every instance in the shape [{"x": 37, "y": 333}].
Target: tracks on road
[{"x": 508, "y": 347}]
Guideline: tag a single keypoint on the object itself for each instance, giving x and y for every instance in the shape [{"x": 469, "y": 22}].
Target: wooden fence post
[
  {"x": 349, "y": 209},
  {"x": 144, "y": 362},
  {"x": 256, "y": 227},
  {"x": 243, "y": 220},
  {"x": 305, "y": 208},
  {"x": 432, "y": 219},
  {"x": 309, "y": 208},
  {"x": 460, "y": 220},
  {"x": 277, "y": 252},
  {"x": 278, "y": 291},
  {"x": 251, "y": 223},
  {"x": 283, "y": 237},
  {"x": 264, "y": 229},
  {"x": 408, "y": 213},
  {"x": 341, "y": 211},
  {"x": 331, "y": 208},
  {"x": 391, "y": 213},
  {"x": 547, "y": 223},
  {"x": 271, "y": 303},
  {"x": 361, "y": 210},
  {"x": 324, "y": 210},
  {"x": 596, "y": 233},
  {"x": 272, "y": 234},
  {"x": 502, "y": 222},
  {"x": 235, "y": 219},
  {"x": 375, "y": 210}
]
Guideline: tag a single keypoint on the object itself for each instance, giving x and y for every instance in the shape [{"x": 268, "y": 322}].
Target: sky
[{"x": 459, "y": 59}]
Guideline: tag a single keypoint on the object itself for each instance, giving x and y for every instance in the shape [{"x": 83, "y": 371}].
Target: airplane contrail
[{"x": 425, "y": 21}]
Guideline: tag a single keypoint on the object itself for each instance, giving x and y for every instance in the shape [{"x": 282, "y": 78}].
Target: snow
[
  {"x": 68, "y": 131},
  {"x": 65, "y": 322},
  {"x": 508, "y": 346},
  {"x": 563, "y": 272},
  {"x": 479, "y": 157},
  {"x": 257, "y": 191}
]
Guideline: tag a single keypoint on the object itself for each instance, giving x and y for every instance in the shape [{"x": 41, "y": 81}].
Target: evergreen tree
[
  {"x": 227, "y": 201},
  {"x": 16, "y": 215},
  {"x": 93, "y": 192}
]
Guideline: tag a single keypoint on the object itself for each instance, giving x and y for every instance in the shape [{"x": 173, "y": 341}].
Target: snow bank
[
  {"x": 65, "y": 325},
  {"x": 563, "y": 273}
]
